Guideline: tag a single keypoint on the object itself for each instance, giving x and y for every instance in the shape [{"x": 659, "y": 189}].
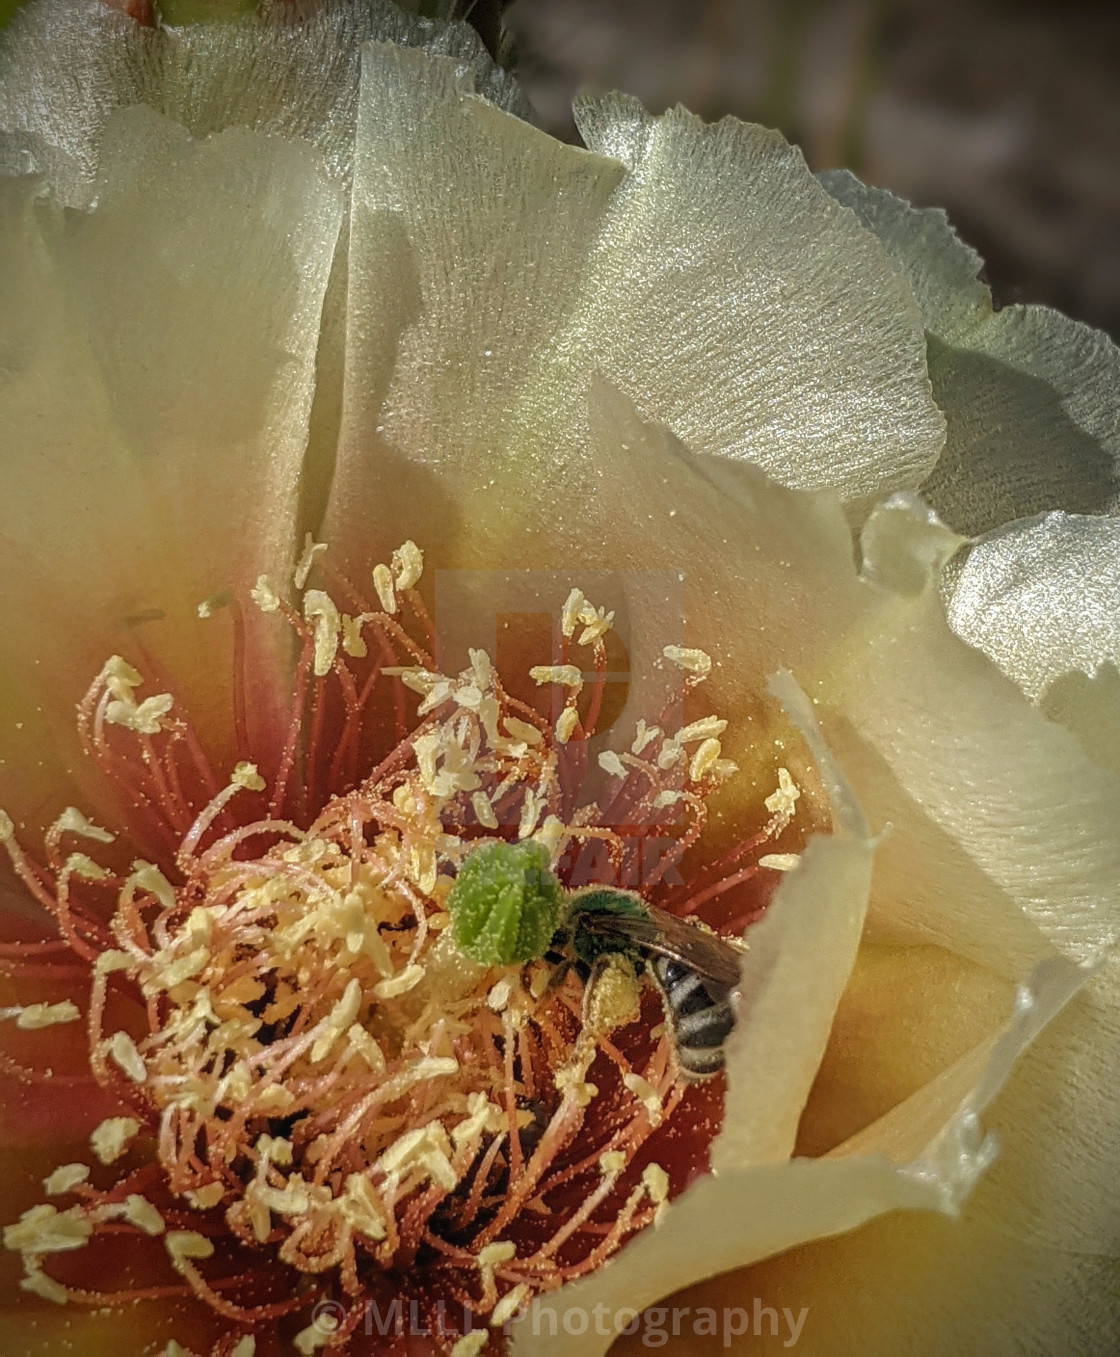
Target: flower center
[{"x": 320, "y": 1071}]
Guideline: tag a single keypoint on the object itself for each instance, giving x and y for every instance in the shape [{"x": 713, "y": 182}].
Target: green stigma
[{"x": 506, "y": 904}]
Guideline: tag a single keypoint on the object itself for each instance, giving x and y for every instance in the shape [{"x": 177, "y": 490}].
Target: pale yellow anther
[
  {"x": 383, "y": 583},
  {"x": 146, "y": 717},
  {"x": 499, "y": 994},
  {"x": 645, "y": 1093},
  {"x": 705, "y": 729},
  {"x": 482, "y": 668},
  {"x": 495, "y": 1254},
  {"x": 509, "y": 1305},
  {"x": 244, "y": 1347},
  {"x": 666, "y": 798},
  {"x": 64, "y": 1179},
  {"x": 319, "y": 608},
  {"x": 110, "y": 1138},
  {"x": 669, "y": 755},
  {"x": 37, "y": 1283},
  {"x": 784, "y": 801},
  {"x": 420, "y": 680},
  {"x": 597, "y": 622},
  {"x": 695, "y": 662},
  {"x": 408, "y": 565},
  {"x": 471, "y": 1344},
  {"x": 81, "y": 864},
  {"x": 645, "y": 736},
  {"x": 400, "y": 983},
  {"x": 46, "y": 1229},
  {"x": 566, "y": 675},
  {"x": 146, "y": 876},
  {"x": 705, "y": 759},
  {"x": 245, "y": 775},
  {"x": 361, "y": 1208},
  {"x": 566, "y": 724},
  {"x": 276, "y": 1149},
  {"x": 312, "y": 550},
  {"x": 522, "y": 730},
  {"x": 656, "y": 1182},
  {"x": 207, "y": 1196},
  {"x": 353, "y": 642},
  {"x": 34, "y": 1016},
  {"x": 120, "y": 678},
  {"x": 340, "y": 1018},
  {"x": 214, "y": 604},
  {"x": 187, "y": 1244},
  {"x": 316, "y": 1335},
  {"x": 7, "y": 829},
  {"x": 140, "y": 1212},
  {"x": 484, "y": 810},
  {"x": 612, "y": 1163},
  {"x": 127, "y": 1058},
  {"x": 779, "y": 862},
  {"x": 569, "y": 615},
  {"x": 610, "y": 763},
  {"x": 112, "y": 960},
  {"x": 72, "y": 821},
  {"x": 551, "y": 834},
  {"x": 264, "y": 595},
  {"x": 531, "y": 808}
]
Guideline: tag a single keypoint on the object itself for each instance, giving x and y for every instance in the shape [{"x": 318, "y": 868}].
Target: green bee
[{"x": 508, "y": 907}]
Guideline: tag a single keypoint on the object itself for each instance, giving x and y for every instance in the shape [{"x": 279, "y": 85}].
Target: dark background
[{"x": 1007, "y": 114}]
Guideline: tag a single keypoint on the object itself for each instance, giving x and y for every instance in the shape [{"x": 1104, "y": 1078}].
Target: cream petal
[
  {"x": 907, "y": 1015},
  {"x": 802, "y": 355},
  {"x": 1031, "y": 1263},
  {"x": 798, "y": 961},
  {"x": 757, "y": 1212},
  {"x": 1028, "y": 395},
  {"x": 1042, "y": 598},
  {"x": 158, "y": 376},
  {"x": 708, "y": 279},
  {"x": 282, "y": 75},
  {"x": 1003, "y": 832}
]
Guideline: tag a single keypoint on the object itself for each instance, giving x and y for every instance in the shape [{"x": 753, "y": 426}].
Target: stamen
[{"x": 331, "y": 1078}]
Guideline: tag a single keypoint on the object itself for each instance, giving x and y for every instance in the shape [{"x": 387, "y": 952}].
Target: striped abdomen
[{"x": 699, "y": 1013}]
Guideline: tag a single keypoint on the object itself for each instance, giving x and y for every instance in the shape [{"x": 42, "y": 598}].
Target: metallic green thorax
[
  {"x": 590, "y": 946},
  {"x": 506, "y": 904}
]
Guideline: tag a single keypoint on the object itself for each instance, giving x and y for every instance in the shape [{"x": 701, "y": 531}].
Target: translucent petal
[
  {"x": 159, "y": 360},
  {"x": 802, "y": 355},
  {"x": 285, "y": 70},
  {"x": 1031, "y": 1263},
  {"x": 1001, "y": 827},
  {"x": 494, "y": 273},
  {"x": 1028, "y": 395},
  {"x": 1042, "y": 598},
  {"x": 798, "y": 962}
]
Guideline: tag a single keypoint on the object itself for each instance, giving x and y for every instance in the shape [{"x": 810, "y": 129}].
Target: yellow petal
[
  {"x": 159, "y": 447},
  {"x": 494, "y": 273}
]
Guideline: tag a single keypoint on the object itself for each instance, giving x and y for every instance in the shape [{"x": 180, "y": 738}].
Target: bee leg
[{"x": 611, "y": 995}]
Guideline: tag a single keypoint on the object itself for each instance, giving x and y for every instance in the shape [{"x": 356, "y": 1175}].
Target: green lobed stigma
[{"x": 506, "y": 903}]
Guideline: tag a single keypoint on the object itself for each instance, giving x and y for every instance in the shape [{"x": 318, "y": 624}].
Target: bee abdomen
[{"x": 700, "y": 1020}]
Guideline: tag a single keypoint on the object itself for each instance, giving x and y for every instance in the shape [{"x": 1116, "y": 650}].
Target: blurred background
[{"x": 1005, "y": 112}]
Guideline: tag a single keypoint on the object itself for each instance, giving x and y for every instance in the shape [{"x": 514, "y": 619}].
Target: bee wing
[{"x": 711, "y": 956}]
